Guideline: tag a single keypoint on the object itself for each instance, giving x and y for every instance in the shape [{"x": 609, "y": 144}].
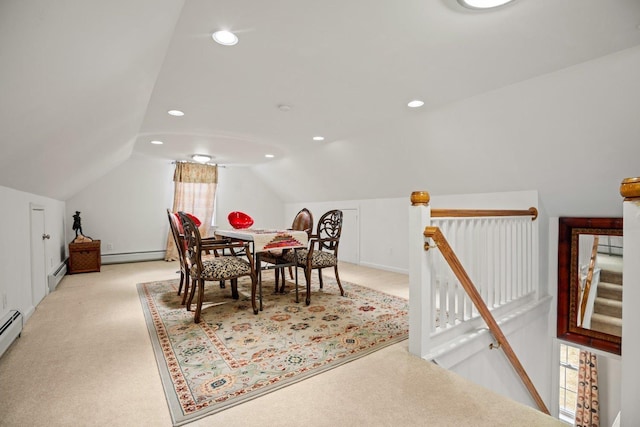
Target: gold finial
[
  {"x": 630, "y": 188},
  {"x": 420, "y": 198}
]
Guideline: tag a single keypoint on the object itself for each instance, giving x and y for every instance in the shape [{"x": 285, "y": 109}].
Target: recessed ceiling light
[
  {"x": 156, "y": 142},
  {"x": 483, "y": 4},
  {"x": 269, "y": 156},
  {"x": 415, "y": 103},
  {"x": 176, "y": 113},
  {"x": 318, "y": 138},
  {"x": 202, "y": 158},
  {"x": 225, "y": 38}
]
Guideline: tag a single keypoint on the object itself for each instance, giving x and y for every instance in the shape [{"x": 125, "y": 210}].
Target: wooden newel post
[
  {"x": 419, "y": 276},
  {"x": 630, "y": 386},
  {"x": 420, "y": 198}
]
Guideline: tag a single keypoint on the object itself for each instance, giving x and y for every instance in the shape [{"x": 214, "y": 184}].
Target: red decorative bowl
[{"x": 240, "y": 220}]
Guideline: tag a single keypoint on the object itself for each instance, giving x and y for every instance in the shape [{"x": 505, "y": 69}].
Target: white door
[
  {"x": 349, "y": 249},
  {"x": 38, "y": 256}
]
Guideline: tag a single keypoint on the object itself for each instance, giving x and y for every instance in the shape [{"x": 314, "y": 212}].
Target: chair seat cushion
[
  {"x": 319, "y": 259},
  {"x": 222, "y": 268},
  {"x": 274, "y": 256}
]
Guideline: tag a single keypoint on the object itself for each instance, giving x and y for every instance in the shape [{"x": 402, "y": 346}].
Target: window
[{"x": 569, "y": 362}]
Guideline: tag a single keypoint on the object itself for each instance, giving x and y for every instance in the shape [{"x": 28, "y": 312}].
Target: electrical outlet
[
  {"x": 109, "y": 246},
  {"x": 4, "y": 300}
]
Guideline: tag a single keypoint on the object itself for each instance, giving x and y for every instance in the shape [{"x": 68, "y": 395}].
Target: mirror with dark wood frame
[{"x": 590, "y": 282}]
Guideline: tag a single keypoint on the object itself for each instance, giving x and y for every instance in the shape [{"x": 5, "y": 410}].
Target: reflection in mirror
[
  {"x": 590, "y": 282},
  {"x": 600, "y": 286}
]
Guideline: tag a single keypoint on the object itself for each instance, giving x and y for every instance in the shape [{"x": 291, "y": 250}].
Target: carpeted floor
[
  {"x": 233, "y": 355},
  {"x": 85, "y": 358}
]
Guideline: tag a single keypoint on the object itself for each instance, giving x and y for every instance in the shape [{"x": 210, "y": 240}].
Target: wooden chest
[{"x": 84, "y": 257}]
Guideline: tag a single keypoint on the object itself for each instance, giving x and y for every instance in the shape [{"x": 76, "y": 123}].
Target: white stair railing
[
  {"x": 497, "y": 254},
  {"x": 498, "y": 249},
  {"x": 498, "y": 245}
]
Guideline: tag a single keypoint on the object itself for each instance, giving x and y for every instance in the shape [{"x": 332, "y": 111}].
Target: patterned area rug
[{"x": 233, "y": 355}]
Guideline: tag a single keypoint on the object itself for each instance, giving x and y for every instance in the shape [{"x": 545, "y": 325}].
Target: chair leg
[
  {"x": 196, "y": 317},
  {"x": 181, "y": 282},
  {"x": 284, "y": 282},
  {"x": 307, "y": 276},
  {"x": 335, "y": 269},
  {"x": 320, "y": 277},
  {"x": 222, "y": 285},
  {"x": 254, "y": 283},
  {"x": 191, "y": 294},
  {"x": 234, "y": 289},
  {"x": 277, "y": 274},
  {"x": 290, "y": 272},
  {"x": 186, "y": 287}
]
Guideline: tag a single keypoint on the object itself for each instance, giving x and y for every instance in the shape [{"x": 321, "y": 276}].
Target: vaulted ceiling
[{"x": 84, "y": 84}]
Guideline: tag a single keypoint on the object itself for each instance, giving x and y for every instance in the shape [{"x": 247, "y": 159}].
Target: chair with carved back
[
  {"x": 177, "y": 231},
  {"x": 303, "y": 221},
  {"x": 322, "y": 251},
  {"x": 218, "y": 267},
  {"x": 176, "y": 227}
]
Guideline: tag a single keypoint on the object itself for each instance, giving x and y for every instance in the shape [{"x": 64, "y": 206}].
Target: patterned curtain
[
  {"x": 588, "y": 407},
  {"x": 195, "y": 189}
]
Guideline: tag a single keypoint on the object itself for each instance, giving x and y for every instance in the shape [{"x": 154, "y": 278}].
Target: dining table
[{"x": 264, "y": 240}]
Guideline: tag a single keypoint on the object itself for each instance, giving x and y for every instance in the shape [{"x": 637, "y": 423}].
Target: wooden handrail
[
  {"x": 467, "y": 213},
  {"x": 587, "y": 285},
  {"x": 457, "y": 268}
]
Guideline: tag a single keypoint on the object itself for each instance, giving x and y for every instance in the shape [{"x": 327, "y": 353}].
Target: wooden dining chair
[
  {"x": 322, "y": 251},
  {"x": 222, "y": 265},
  {"x": 303, "y": 221},
  {"x": 178, "y": 237},
  {"x": 176, "y": 231}
]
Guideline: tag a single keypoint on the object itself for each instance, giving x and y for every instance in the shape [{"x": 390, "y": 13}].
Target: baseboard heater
[
  {"x": 55, "y": 277},
  {"x": 10, "y": 329},
  {"x": 132, "y": 257}
]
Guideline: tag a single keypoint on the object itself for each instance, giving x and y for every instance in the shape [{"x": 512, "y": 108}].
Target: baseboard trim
[
  {"x": 384, "y": 267},
  {"x": 126, "y": 257}
]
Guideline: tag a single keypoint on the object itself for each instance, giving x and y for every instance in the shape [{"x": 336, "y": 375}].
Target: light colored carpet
[{"x": 85, "y": 358}]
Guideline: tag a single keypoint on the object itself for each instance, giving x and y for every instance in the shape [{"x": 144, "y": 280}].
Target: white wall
[
  {"x": 559, "y": 123},
  {"x": 382, "y": 229},
  {"x": 609, "y": 380},
  {"x": 126, "y": 208},
  {"x": 15, "y": 245},
  {"x": 491, "y": 368},
  {"x": 239, "y": 189}
]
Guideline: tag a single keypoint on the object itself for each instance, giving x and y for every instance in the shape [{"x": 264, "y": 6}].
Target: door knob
[{"x": 45, "y": 236}]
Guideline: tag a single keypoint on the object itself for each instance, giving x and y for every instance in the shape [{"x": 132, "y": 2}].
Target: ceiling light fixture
[
  {"x": 156, "y": 142},
  {"x": 318, "y": 138},
  {"x": 415, "y": 103},
  {"x": 225, "y": 38},
  {"x": 483, "y": 4},
  {"x": 269, "y": 156},
  {"x": 201, "y": 158},
  {"x": 175, "y": 113}
]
